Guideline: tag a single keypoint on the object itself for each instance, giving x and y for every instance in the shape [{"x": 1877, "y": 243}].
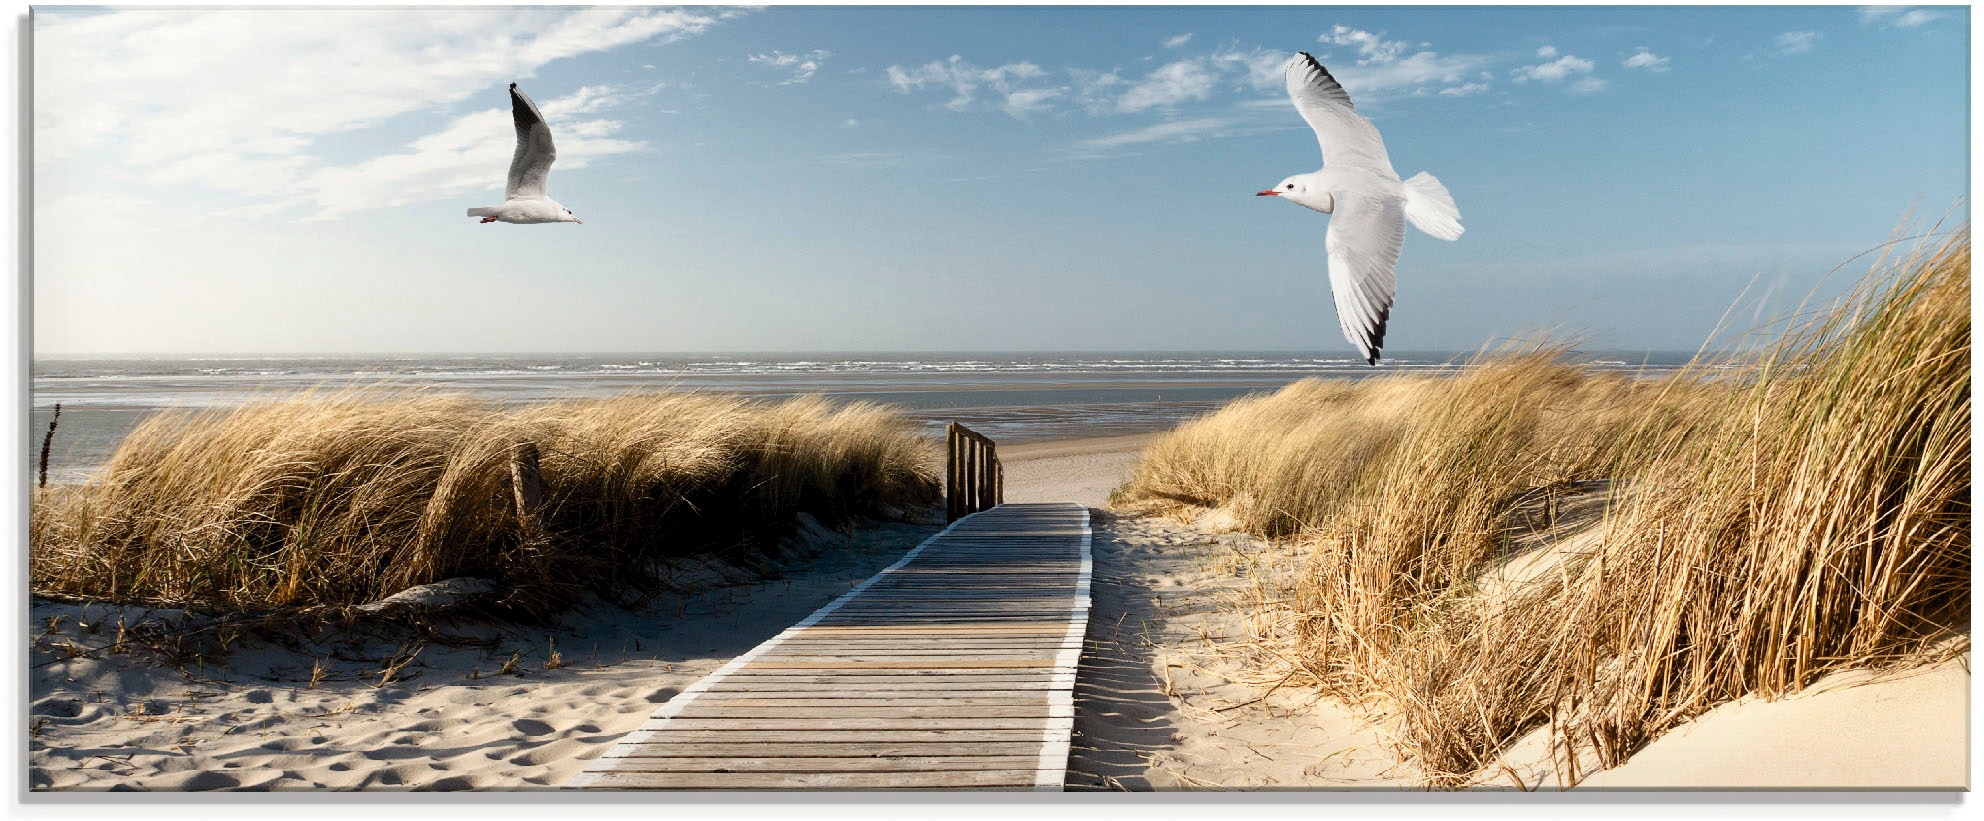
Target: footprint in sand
[
  {"x": 208, "y": 780},
  {"x": 530, "y": 726}
]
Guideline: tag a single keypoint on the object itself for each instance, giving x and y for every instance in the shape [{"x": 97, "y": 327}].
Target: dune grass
[
  {"x": 1765, "y": 524},
  {"x": 343, "y": 498}
]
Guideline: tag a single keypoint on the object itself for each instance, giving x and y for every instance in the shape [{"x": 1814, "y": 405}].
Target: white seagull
[
  {"x": 1370, "y": 206},
  {"x": 524, "y": 201}
]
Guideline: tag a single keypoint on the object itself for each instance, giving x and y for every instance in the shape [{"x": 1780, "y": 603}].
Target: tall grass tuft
[
  {"x": 1764, "y": 523},
  {"x": 339, "y": 499}
]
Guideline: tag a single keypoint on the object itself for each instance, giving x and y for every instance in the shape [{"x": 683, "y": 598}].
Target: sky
[{"x": 961, "y": 179}]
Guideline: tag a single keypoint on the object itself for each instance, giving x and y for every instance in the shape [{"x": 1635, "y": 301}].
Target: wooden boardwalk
[{"x": 953, "y": 668}]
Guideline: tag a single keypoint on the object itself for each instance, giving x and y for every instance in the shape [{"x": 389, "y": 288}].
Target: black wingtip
[{"x": 513, "y": 86}]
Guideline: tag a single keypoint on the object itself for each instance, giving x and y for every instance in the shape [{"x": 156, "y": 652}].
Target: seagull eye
[{"x": 1290, "y": 186}]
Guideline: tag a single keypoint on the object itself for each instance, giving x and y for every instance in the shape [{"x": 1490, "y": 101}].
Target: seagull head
[
  {"x": 1304, "y": 190},
  {"x": 568, "y": 216}
]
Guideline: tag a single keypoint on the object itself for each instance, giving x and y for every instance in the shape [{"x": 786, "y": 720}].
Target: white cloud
[
  {"x": 1645, "y": 59},
  {"x": 850, "y": 123},
  {"x": 1174, "y": 83},
  {"x": 1555, "y": 71},
  {"x": 1547, "y": 52},
  {"x": 1385, "y": 67},
  {"x": 1029, "y": 100},
  {"x": 1174, "y": 42},
  {"x": 1168, "y": 131},
  {"x": 1407, "y": 76},
  {"x": 237, "y": 100},
  {"x": 1382, "y": 67},
  {"x": 1898, "y": 16},
  {"x": 1587, "y": 85},
  {"x": 964, "y": 81},
  {"x": 1794, "y": 42},
  {"x": 1371, "y": 48},
  {"x": 1263, "y": 67},
  {"x": 802, "y": 65}
]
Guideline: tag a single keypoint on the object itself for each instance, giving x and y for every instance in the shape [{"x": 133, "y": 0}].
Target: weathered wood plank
[
  {"x": 768, "y": 749},
  {"x": 984, "y": 779},
  {"x": 931, "y": 701},
  {"x": 712, "y": 709},
  {"x": 822, "y": 764},
  {"x": 796, "y": 737},
  {"x": 825, "y": 723}
]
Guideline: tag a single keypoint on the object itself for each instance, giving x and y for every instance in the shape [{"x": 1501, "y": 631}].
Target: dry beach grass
[
  {"x": 1762, "y": 525},
  {"x": 342, "y": 499}
]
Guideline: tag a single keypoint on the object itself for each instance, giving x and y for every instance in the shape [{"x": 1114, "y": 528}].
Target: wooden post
[
  {"x": 985, "y": 499},
  {"x": 951, "y": 472},
  {"x": 970, "y": 472},
  {"x": 998, "y": 479},
  {"x": 527, "y": 485}
]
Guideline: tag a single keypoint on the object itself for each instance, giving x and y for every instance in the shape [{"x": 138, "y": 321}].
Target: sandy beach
[{"x": 1171, "y": 694}]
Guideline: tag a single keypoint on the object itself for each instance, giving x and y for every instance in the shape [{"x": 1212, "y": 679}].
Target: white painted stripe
[
  {"x": 1056, "y": 738},
  {"x": 675, "y": 705}
]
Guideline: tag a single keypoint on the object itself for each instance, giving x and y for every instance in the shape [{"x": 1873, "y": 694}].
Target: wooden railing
[{"x": 973, "y": 480}]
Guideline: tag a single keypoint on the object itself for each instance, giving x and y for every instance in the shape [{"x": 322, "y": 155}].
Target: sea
[{"x": 1010, "y": 397}]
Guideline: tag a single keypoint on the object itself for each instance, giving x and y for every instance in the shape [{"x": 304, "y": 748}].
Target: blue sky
[{"x": 900, "y": 179}]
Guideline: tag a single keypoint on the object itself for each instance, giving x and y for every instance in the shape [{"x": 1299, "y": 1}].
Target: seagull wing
[
  {"x": 1347, "y": 139},
  {"x": 1365, "y": 234},
  {"x": 535, "y": 153}
]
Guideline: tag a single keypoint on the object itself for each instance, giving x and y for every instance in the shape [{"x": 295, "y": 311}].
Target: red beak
[
  {"x": 1269, "y": 193},
  {"x": 579, "y": 221}
]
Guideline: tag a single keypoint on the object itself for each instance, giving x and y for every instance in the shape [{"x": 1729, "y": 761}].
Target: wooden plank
[
  {"x": 915, "y": 664},
  {"x": 738, "y": 701},
  {"x": 858, "y": 689},
  {"x": 825, "y": 723},
  {"x": 820, "y": 764},
  {"x": 714, "y": 709},
  {"x": 754, "y": 749},
  {"x": 909, "y": 679},
  {"x": 983, "y": 779},
  {"x": 792, "y": 737}
]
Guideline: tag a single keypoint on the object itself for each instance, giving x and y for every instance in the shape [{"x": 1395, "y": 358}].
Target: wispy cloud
[
  {"x": 1013, "y": 82},
  {"x": 1170, "y": 131},
  {"x": 1898, "y": 16},
  {"x": 802, "y": 65},
  {"x": 1371, "y": 48},
  {"x": 1170, "y": 85},
  {"x": 237, "y": 100},
  {"x": 1174, "y": 42},
  {"x": 1553, "y": 71},
  {"x": 1646, "y": 60},
  {"x": 1386, "y": 67},
  {"x": 1796, "y": 42}
]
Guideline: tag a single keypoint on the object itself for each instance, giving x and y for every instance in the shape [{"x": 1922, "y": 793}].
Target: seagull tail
[
  {"x": 1430, "y": 208},
  {"x": 482, "y": 212}
]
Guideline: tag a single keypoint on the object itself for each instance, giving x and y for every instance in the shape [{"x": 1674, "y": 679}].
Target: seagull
[
  {"x": 1368, "y": 204},
  {"x": 524, "y": 201}
]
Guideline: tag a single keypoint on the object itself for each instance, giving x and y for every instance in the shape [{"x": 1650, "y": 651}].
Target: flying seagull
[
  {"x": 524, "y": 201},
  {"x": 1368, "y": 204}
]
